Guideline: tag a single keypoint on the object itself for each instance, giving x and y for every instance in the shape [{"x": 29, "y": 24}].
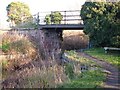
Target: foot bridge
[
  {"x": 65, "y": 20},
  {"x": 51, "y": 30}
]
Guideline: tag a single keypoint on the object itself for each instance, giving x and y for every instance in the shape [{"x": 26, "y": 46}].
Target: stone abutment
[{"x": 49, "y": 42}]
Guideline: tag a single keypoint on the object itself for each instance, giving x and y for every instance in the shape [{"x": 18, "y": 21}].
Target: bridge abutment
[{"x": 51, "y": 44}]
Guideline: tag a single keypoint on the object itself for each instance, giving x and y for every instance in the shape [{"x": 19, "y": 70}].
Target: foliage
[
  {"x": 86, "y": 79},
  {"x": 21, "y": 46},
  {"x": 69, "y": 70},
  {"x": 53, "y": 18},
  {"x": 89, "y": 79},
  {"x": 18, "y": 12},
  {"x": 27, "y": 24},
  {"x": 112, "y": 58},
  {"x": 41, "y": 79},
  {"x": 4, "y": 64},
  {"x": 47, "y": 19},
  {"x": 102, "y": 22},
  {"x": 5, "y": 47},
  {"x": 72, "y": 55}
]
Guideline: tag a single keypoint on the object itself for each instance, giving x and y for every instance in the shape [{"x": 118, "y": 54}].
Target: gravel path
[{"x": 113, "y": 78}]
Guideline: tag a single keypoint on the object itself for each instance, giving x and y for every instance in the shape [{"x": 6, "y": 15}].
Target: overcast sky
[{"x": 41, "y": 6}]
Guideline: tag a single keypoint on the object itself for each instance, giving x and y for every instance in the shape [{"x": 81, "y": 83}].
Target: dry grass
[
  {"x": 27, "y": 69},
  {"x": 23, "y": 66},
  {"x": 74, "y": 39},
  {"x": 17, "y": 50}
]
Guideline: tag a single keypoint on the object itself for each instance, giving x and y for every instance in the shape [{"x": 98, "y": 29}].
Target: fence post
[
  {"x": 65, "y": 17},
  {"x": 51, "y": 18},
  {"x": 38, "y": 20}
]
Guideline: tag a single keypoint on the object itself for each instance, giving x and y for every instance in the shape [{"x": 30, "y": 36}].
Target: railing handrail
[
  {"x": 68, "y": 17},
  {"x": 59, "y": 11}
]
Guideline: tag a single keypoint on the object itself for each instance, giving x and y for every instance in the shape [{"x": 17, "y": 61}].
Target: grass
[
  {"x": 87, "y": 79},
  {"x": 41, "y": 79},
  {"x": 72, "y": 55},
  {"x": 16, "y": 49},
  {"x": 111, "y": 57},
  {"x": 5, "y": 47},
  {"x": 63, "y": 76}
]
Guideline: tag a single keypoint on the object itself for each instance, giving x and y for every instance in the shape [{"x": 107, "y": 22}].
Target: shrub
[{"x": 18, "y": 49}]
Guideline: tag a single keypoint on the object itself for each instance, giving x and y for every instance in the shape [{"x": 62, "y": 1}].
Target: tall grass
[
  {"x": 17, "y": 50},
  {"x": 28, "y": 69}
]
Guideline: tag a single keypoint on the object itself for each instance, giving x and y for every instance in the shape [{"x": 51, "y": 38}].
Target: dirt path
[{"x": 113, "y": 79}]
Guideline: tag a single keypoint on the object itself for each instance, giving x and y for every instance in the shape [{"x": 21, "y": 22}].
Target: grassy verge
[
  {"x": 91, "y": 78},
  {"x": 111, "y": 57}
]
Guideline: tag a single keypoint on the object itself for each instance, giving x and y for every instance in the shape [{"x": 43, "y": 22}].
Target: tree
[
  {"x": 102, "y": 22},
  {"x": 53, "y": 18},
  {"x": 18, "y": 12},
  {"x": 47, "y": 19}
]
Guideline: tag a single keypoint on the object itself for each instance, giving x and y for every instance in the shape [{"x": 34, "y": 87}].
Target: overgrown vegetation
[
  {"x": 15, "y": 48},
  {"x": 26, "y": 65},
  {"x": 110, "y": 57},
  {"x": 17, "y": 44},
  {"x": 30, "y": 72},
  {"x": 89, "y": 78}
]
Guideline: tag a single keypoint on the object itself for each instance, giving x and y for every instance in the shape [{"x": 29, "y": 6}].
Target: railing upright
[{"x": 65, "y": 17}]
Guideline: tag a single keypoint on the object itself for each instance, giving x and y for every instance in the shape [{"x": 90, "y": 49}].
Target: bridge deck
[{"x": 62, "y": 26}]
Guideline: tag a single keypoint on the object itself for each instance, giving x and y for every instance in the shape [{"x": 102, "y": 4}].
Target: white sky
[{"x": 40, "y": 6}]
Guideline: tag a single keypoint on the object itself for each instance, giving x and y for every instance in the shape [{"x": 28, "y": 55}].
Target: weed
[
  {"x": 69, "y": 70},
  {"x": 89, "y": 79},
  {"x": 5, "y": 47}
]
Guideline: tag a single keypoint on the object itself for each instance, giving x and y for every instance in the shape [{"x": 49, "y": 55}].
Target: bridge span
[
  {"x": 63, "y": 20},
  {"x": 52, "y": 32},
  {"x": 50, "y": 29},
  {"x": 62, "y": 27}
]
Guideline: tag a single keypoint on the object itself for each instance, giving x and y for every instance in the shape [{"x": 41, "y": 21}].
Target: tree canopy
[
  {"x": 102, "y": 22},
  {"x": 18, "y": 12},
  {"x": 53, "y": 18}
]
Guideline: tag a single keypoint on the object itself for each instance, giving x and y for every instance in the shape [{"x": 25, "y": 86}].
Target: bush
[{"x": 19, "y": 50}]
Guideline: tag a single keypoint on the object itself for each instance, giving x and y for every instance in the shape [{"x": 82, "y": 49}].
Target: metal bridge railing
[{"x": 68, "y": 17}]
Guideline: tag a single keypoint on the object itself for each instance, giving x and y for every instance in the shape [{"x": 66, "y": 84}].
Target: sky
[{"x": 40, "y": 6}]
